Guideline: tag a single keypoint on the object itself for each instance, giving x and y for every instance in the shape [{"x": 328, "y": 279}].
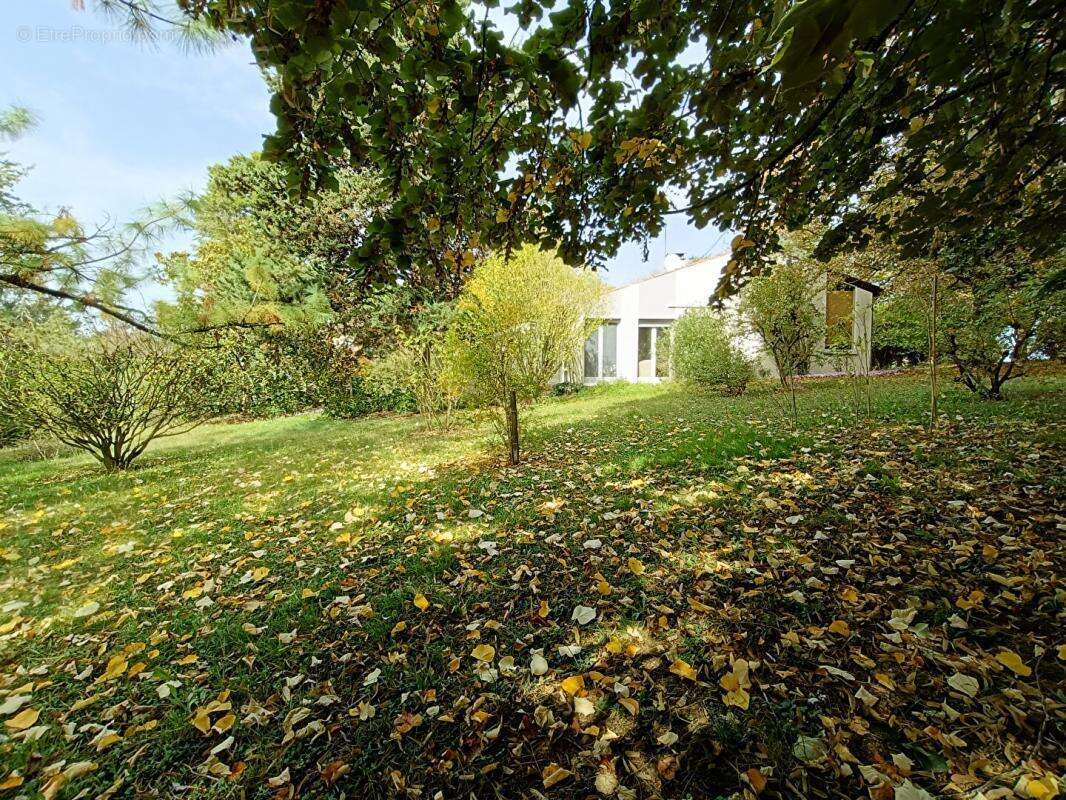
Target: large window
[
  {"x": 839, "y": 317},
  {"x": 653, "y": 351},
  {"x": 601, "y": 352}
]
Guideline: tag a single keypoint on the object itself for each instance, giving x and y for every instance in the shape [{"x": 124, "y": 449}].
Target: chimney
[{"x": 673, "y": 261}]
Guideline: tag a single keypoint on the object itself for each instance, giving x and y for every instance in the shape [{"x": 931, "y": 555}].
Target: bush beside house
[{"x": 705, "y": 354}]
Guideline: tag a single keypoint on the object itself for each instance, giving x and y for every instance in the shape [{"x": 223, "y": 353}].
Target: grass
[{"x": 272, "y": 567}]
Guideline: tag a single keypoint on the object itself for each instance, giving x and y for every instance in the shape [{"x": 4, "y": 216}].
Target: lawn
[{"x": 674, "y": 595}]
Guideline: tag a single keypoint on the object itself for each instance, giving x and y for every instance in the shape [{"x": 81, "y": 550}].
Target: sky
[{"x": 123, "y": 124}]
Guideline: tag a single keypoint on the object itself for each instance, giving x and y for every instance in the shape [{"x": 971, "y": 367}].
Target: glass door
[
  {"x": 601, "y": 352},
  {"x": 653, "y": 351}
]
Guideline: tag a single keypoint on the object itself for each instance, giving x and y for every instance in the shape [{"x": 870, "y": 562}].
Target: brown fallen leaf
[{"x": 553, "y": 774}]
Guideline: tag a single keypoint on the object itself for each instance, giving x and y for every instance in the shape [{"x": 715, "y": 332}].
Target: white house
[{"x": 633, "y": 341}]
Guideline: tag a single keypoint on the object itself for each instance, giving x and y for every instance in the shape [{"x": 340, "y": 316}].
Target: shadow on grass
[{"x": 679, "y": 483}]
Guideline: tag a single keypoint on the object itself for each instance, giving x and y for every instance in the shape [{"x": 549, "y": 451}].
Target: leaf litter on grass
[{"x": 877, "y": 616}]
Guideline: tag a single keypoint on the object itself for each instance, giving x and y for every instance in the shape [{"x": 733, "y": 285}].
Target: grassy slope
[{"x": 278, "y": 561}]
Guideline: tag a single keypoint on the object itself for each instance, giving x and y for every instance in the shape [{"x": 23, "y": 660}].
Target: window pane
[
  {"x": 662, "y": 352},
  {"x": 839, "y": 308},
  {"x": 592, "y": 359},
  {"x": 609, "y": 355},
  {"x": 645, "y": 367}
]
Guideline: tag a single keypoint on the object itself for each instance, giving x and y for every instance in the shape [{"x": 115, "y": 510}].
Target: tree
[
  {"x": 994, "y": 312},
  {"x": 110, "y": 395},
  {"x": 414, "y": 366},
  {"x": 762, "y": 115},
  {"x": 517, "y": 321},
  {"x": 263, "y": 256},
  {"x": 779, "y": 308},
  {"x": 57, "y": 257},
  {"x": 705, "y": 355}
]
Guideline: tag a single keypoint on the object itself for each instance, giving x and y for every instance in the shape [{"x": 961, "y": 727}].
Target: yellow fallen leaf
[
  {"x": 738, "y": 698},
  {"x": 684, "y": 669},
  {"x": 201, "y": 720},
  {"x": 635, "y": 566},
  {"x": 1013, "y": 662},
  {"x": 12, "y": 781},
  {"x": 971, "y": 601},
  {"x": 573, "y": 684},
  {"x": 483, "y": 652},
  {"x": 22, "y": 720},
  {"x": 839, "y": 627},
  {"x": 629, "y": 704},
  {"x": 543, "y": 611},
  {"x": 259, "y": 573},
  {"x": 106, "y": 741},
  {"x": 87, "y": 610},
  {"x": 116, "y": 665},
  {"x": 420, "y": 601},
  {"x": 696, "y": 605},
  {"x": 225, "y": 723},
  {"x": 736, "y": 683},
  {"x": 1044, "y": 788},
  {"x": 51, "y": 789}
]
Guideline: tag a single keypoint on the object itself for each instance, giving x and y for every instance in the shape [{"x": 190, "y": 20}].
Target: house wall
[
  {"x": 666, "y": 297},
  {"x": 858, "y": 360}
]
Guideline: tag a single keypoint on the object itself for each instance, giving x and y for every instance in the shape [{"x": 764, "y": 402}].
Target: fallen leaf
[
  {"x": 1013, "y": 662},
  {"x": 553, "y": 774},
  {"x": 22, "y": 720}
]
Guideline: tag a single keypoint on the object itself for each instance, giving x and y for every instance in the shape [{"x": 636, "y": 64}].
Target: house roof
[
  {"x": 859, "y": 283},
  {"x": 849, "y": 280},
  {"x": 693, "y": 262}
]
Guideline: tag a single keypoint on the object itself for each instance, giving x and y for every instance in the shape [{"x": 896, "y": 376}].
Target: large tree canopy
[
  {"x": 580, "y": 128},
  {"x": 264, "y": 256}
]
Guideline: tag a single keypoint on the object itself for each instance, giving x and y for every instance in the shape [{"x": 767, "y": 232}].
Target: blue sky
[{"x": 123, "y": 124}]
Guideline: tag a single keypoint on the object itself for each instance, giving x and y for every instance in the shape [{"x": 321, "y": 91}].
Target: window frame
[
  {"x": 835, "y": 336},
  {"x": 599, "y": 337},
  {"x": 658, "y": 325}
]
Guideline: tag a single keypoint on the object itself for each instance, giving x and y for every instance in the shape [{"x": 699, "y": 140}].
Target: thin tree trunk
[
  {"x": 511, "y": 414},
  {"x": 792, "y": 395},
  {"x": 933, "y": 388}
]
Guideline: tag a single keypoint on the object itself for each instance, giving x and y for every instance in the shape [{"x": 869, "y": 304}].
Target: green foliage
[
  {"x": 110, "y": 395},
  {"x": 705, "y": 354},
  {"x": 265, "y": 257},
  {"x": 779, "y": 308},
  {"x": 359, "y": 336},
  {"x": 517, "y": 321},
  {"x": 259, "y": 374},
  {"x": 21, "y": 327},
  {"x": 995, "y": 319},
  {"x": 413, "y": 373},
  {"x": 790, "y": 111},
  {"x": 901, "y": 327}
]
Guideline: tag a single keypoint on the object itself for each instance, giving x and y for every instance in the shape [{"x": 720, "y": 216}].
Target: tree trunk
[
  {"x": 511, "y": 416},
  {"x": 933, "y": 358}
]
